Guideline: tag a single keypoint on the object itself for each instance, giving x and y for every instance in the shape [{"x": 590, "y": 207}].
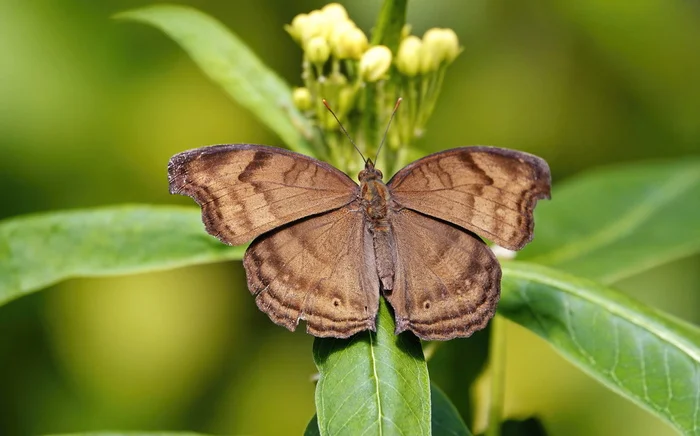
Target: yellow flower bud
[
  {"x": 441, "y": 44},
  {"x": 406, "y": 30},
  {"x": 316, "y": 24},
  {"x": 335, "y": 12},
  {"x": 295, "y": 28},
  {"x": 317, "y": 50},
  {"x": 408, "y": 58},
  {"x": 429, "y": 60},
  {"x": 349, "y": 43},
  {"x": 337, "y": 32},
  {"x": 302, "y": 99},
  {"x": 450, "y": 44},
  {"x": 375, "y": 63}
]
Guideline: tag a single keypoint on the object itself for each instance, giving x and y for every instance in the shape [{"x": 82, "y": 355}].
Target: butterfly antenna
[
  {"x": 325, "y": 103},
  {"x": 396, "y": 107}
]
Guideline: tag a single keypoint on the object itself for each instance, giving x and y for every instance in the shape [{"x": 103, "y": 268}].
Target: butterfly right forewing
[{"x": 487, "y": 190}]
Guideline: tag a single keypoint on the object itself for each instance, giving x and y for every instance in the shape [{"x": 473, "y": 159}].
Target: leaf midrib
[{"x": 376, "y": 385}]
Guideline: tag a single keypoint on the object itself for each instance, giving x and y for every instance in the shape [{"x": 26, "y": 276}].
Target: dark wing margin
[
  {"x": 319, "y": 269},
  {"x": 246, "y": 190},
  {"x": 487, "y": 190}
]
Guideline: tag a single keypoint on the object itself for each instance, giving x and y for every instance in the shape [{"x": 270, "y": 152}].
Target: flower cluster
[{"x": 362, "y": 81}]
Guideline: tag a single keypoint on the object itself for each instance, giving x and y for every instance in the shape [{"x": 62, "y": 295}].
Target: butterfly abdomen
[{"x": 375, "y": 202}]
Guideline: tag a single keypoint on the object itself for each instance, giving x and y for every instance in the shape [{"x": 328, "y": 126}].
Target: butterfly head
[{"x": 370, "y": 172}]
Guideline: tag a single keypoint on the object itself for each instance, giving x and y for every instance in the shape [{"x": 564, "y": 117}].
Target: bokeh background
[{"x": 91, "y": 110}]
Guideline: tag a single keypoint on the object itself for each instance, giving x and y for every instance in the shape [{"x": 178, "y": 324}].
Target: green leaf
[
  {"x": 312, "y": 427},
  {"x": 232, "y": 65},
  {"x": 390, "y": 23},
  {"x": 39, "y": 250},
  {"x": 456, "y": 366},
  {"x": 372, "y": 383},
  {"x": 445, "y": 418},
  {"x": 635, "y": 350},
  {"x": 612, "y": 223}
]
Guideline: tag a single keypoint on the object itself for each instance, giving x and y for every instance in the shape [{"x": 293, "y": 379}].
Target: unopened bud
[
  {"x": 317, "y": 50},
  {"x": 316, "y": 24},
  {"x": 375, "y": 63},
  {"x": 442, "y": 44},
  {"x": 295, "y": 28},
  {"x": 350, "y": 43},
  {"x": 301, "y": 97},
  {"x": 408, "y": 57},
  {"x": 406, "y": 30},
  {"x": 337, "y": 32},
  {"x": 335, "y": 12}
]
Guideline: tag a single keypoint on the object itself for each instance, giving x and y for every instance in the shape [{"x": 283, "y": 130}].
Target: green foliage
[
  {"x": 39, "y": 250},
  {"x": 445, "y": 419},
  {"x": 372, "y": 383},
  {"x": 604, "y": 225},
  {"x": 635, "y": 350},
  {"x": 614, "y": 222},
  {"x": 231, "y": 64}
]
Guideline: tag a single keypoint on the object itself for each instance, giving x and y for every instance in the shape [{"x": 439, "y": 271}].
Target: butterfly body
[
  {"x": 324, "y": 248},
  {"x": 377, "y": 204}
]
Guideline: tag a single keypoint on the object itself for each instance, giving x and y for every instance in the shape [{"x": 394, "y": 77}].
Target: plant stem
[
  {"x": 497, "y": 364},
  {"x": 387, "y": 31},
  {"x": 390, "y": 22}
]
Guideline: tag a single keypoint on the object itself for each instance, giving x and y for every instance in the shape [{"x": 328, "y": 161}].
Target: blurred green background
[{"x": 92, "y": 109}]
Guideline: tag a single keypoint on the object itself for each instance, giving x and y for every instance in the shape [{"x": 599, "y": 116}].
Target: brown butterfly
[{"x": 324, "y": 248}]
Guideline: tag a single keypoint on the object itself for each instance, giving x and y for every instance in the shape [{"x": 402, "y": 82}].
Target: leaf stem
[{"x": 497, "y": 364}]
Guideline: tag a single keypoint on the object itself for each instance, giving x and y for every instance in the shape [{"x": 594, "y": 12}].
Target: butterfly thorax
[{"x": 374, "y": 193}]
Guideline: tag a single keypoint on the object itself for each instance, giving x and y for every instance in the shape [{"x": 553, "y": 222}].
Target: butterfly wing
[
  {"x": 246, "y": 190},
  {"x": 447, "y": 281},
  {"x": 489, "y": 191},
  {"x": 320, "y": 269}
]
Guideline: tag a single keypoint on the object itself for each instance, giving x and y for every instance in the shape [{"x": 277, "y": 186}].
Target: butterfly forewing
[
  {"x": 489, "y": 191},
  {"x": 447, "y": 280},
  {"x": 320, "y": 269},
  {"x": 246, "y": 190}
]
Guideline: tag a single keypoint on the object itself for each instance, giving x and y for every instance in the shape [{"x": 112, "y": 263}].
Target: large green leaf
[
  {"x": 39, "y": 250},
  {"x": 231, "y": 64},
  {"x": 612, "y": 223},
  {"x": 639, "y": 352},
  {"x": 373, "y": 383},
  {"x": 445, "y": 418}
]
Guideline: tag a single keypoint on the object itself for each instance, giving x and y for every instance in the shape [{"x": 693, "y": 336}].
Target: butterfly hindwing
[
  {"x": 246, "y": 190},
  {"x": 319, "y": 269},
  {"x": 487, "y": 190},
  {"x": 447, "y": 282}
]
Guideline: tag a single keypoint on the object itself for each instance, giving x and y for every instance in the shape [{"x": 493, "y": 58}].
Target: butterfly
[{"x": 324, "y": 248}]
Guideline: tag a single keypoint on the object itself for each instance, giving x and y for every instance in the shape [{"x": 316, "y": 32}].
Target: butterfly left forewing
[
  {"x": 319, "y": 269},
  {"x": 447, "y": 281},
  {"x": 487, "y": 190},
  {"x": 246, "y": 190}
]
